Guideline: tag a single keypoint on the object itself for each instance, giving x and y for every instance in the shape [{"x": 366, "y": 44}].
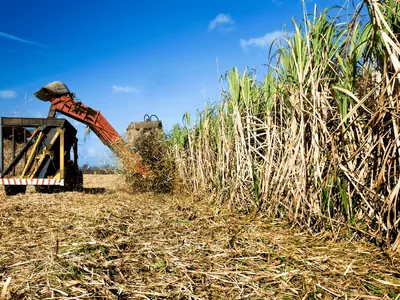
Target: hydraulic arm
[
  {"x": 68, "y": 106},
  {"x": 64, "y": 102}
]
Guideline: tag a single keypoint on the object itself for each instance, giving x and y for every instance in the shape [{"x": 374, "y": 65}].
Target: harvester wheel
[
  {"x": 79, "y": 182},
  {"x": 12, "y": 190},
  {"x": 73, "y": 179}
]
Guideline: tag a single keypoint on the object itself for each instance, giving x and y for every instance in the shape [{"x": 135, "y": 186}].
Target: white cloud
[
  {"x": 17, "y": 39},
  {"x": 7, "y": 94},
  {"x": 262, "y": 41},
  {"x": 125, "y": 89},
  {"x": 223, "y": 21}
]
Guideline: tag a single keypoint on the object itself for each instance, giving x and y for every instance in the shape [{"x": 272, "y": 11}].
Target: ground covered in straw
[{"x": 107, "y": 244}]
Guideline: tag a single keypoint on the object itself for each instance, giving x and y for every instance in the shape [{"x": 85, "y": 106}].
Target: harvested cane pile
[{"x": 152, "y": 147}]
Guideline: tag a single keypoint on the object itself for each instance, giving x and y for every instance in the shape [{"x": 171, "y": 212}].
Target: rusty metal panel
[{"x": 36, "y": 122}]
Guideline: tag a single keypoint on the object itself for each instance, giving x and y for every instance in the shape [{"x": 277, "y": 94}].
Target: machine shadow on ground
[{"x": 95, "y": 190}]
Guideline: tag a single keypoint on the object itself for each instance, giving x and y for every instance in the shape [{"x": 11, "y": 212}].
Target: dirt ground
[{"x": 107, "y": 244}]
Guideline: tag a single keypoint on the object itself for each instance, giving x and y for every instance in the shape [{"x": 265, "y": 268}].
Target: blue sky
[{"x": 128, "y": 58}]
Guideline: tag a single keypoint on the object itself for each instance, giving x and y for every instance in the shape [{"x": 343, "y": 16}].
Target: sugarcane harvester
[{"x": 46, "y": 153}]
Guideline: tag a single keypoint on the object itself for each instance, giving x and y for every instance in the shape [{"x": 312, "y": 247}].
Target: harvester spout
[{"x": 52, "y": 90}]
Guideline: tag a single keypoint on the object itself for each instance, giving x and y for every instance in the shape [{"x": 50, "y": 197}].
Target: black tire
[
  {"x": 12, "y": 190},
  {"x": 73, "y": 179},
  {"x": 79, "y": 184}
]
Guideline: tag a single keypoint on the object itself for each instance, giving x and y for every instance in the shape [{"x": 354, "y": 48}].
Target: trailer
[{"x": 47, "y": 152}]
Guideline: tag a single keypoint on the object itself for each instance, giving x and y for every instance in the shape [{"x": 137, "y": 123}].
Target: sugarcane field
[{"x": 284, "y": 187}]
